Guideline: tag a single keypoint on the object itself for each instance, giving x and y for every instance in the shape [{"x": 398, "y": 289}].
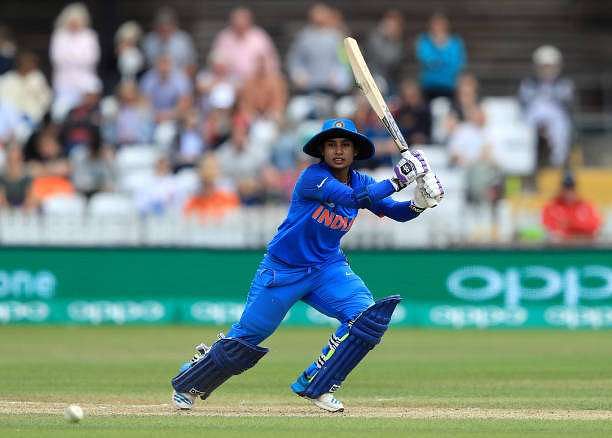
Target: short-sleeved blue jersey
[{"x": 323, "y": 209}]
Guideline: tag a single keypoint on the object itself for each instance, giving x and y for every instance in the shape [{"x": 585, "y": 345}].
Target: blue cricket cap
[{"x": 340, "y": 128}]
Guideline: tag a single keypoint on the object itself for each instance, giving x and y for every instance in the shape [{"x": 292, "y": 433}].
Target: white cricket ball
[{"x": 73, "y": 413}]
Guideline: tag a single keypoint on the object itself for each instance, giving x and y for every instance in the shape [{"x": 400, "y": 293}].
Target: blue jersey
[{"x": 322, "y": 211}]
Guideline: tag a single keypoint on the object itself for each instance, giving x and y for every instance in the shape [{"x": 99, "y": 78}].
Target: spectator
[
  {"x": 191, "y": 144},
  {"x": 26, "y": 89},
  {"x": 242, "y": 161},
  {"x": 441, "y": 57},
  {"x": 92, "y": 167},
  {"x": 385, "y": 50},
  {"x": 466, "y": 100},
  {"x": 168, "y": 39},
  {"x": 130, "y": 60},
  {"x": 413, "y": 115},
  {"x": 74, "y": 53},
  {"x": 168, "y": 89},
  {"x": 15, "y": 183},
  {"x": 210, "y": 201},
  {"x": 547, "y": 100},
  {"x": 82, "y": 124},
  {"x": 471, "y": 148},
  {"x": 215, "y": 85},
  {"x": 134, "y": 121},
  {"x": 242, "y": 43},
  {"x": 7, "y": 50},
  {"x": 469, "y": 141},
  {"x": 313, "y": 61},
  {"x": 568, "y": 217},
  {"x": 162, "y": 193},
  {"x": 49, "y": 166},
  {"x": 369, "y": 124},
  {"x": 264, "y": 95}
]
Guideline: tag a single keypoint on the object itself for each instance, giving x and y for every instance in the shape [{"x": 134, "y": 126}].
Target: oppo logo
[{"x": 533, "y": 283}]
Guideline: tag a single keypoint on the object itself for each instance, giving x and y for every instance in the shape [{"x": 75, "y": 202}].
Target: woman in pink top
[{"x": 74, "y": 53}]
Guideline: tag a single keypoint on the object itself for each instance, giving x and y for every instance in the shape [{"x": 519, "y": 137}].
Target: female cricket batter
[{"x": 304, "y": 262}]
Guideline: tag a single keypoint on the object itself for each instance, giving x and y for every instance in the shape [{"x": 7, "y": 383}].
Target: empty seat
[
  {"x": 111, "y": 204},
  {"x": 64, "y": 205},
  {"x": 136, "y": 157}
]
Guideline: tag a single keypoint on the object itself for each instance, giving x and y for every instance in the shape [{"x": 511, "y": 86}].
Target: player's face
[{"x": 338, "y": 153}]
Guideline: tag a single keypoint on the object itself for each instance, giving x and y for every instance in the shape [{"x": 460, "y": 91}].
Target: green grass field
[{"x": 416, "y": 383}]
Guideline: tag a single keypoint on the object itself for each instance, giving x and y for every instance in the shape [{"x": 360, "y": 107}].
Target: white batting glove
[
  {"x": 428, "y": 192},
  {"x": 417, "y": 162}
]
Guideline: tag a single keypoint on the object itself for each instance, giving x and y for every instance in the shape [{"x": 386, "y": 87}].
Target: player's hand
[
  {"x": 428, "y": 192},
  {"x": 417, "y": 161}
]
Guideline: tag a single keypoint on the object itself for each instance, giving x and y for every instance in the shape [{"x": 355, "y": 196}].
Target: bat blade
[{"x": 365, "y": 81}]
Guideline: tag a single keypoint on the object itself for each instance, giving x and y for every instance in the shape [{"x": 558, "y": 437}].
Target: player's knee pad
[
  {"x": 365, "y": 333},
  {"x": 227, "y": 357}
]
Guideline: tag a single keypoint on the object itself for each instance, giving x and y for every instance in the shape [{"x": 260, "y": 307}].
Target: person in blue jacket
[
  {"x": 304, "y": 262},
  {"x": 442, "y": 58}
]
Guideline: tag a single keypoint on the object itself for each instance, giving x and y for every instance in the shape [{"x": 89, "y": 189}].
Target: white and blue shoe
[
  {"x": 183, "y": 401},
  {"x": 328, "y": 402}
]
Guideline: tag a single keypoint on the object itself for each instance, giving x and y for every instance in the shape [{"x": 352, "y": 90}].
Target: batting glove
[{"x": 428, "y": 192}]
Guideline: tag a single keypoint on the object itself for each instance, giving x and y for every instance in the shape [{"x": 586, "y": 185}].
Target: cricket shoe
[
  {"x": 183, "y": 401},
  {"x": 328, "y": 402}
]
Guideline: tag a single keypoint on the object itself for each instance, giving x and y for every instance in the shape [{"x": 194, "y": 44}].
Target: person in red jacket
[{"x": 567, "y": 217}]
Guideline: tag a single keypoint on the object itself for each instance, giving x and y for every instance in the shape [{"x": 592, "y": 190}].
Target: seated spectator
[
  {"x": 210, "y": 201},
  {"x": 130, "y": 60},
  {"x": 242, "y": 43},
  {"x": 369, "y": 124},
  {"x": 215, "y": 85},
  {"x": 162, "y": 194},
  {"x": 92, "y": 167},
  {"x": 465, "y": 101},
  {"x": 471, "y": 148},
  {"x": 47, "y": 157},
  {"x": 313, "y": 61},
  {"x": 191, "y": 145},
  {"x": 82, "y": 124},
  {"x": 547, "y": 100},
  {"x": 49, "y": 167},
  {"x": 441, "y": 56},
  {"x": 167, "y": 88},
  {"x": 568, "y": 217},
  {"x": 413, "y": 115},
  {"x": 8, "y": 49},
  {"x": 385, "y": 49},
  {"x": 134, "y": 121},
  {"x": 264, "y": 95},
  {"x": 469, "y": 141},
  {"x": 74, "y": 54},
  {"x": 168, "y": 39},
  {"x": 242, "y": 161},
  {"x": 15, "y": 183},
  {"x": 26, "y": 89}
]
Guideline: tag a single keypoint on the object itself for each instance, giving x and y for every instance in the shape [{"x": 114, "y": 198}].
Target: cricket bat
[{"x": 366, "y": 83}]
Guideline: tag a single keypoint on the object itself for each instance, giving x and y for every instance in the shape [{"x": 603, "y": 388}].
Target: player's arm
[{"x": 324, "y": 187}]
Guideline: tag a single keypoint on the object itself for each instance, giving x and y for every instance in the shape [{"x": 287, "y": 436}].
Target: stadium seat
[
  {"x": 111, "y": 204},
  {"x": 136, "y": 157},
  {"x": 502, "y": 110},
  {"x": 65, "y": 205}
]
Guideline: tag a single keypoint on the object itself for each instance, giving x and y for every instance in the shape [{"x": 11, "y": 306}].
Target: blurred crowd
[{"x": 226, "y": 127}]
